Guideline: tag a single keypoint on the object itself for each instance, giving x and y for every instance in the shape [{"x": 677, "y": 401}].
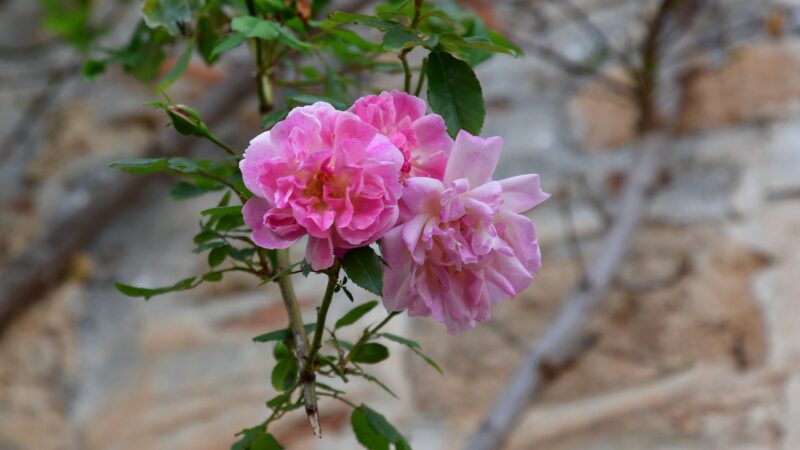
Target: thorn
[{"x": 313, "y": 419}]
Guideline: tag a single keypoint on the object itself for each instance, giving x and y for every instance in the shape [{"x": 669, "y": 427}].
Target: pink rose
[
  {"x": 422, "y": 138},
  {"x": 324, "y": 173},
  {"x": 462, "y": 244}
]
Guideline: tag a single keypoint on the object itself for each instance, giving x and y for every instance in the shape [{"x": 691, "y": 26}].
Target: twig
[
  {"x": 561, "y": 342},
  {"x": 571, "y": 234}
]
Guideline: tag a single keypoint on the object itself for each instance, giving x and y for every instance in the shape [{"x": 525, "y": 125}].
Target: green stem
[
  {"x": 406, "y": 71},
  {"x": 421, "y": 78},
  {"x": 300, "y": 337},
  {"x": 417, "y": 13},
  {"x": 263, "y": 86},
  {"x": 211, "y": 137},
  {"x": 322, "y": 315}
]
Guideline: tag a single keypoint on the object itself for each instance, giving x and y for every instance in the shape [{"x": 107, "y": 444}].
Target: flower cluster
[{"x": 454, "y": 240}]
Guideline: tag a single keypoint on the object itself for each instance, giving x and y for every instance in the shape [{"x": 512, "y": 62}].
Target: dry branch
[
  {"x": 44, "y": 262},
  {"x": 565, "y": 338}
]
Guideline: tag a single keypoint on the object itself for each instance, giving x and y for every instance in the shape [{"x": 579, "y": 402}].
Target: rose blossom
[
  {"x": 421, "y": 137},
  {"x": 324, "y": 173},
  {"x": 462, "y": 244}
]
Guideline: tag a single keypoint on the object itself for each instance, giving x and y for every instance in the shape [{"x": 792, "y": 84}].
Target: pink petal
[
  {"x": 422, "y": 195},
  {"x": 254, "y": 212},
  {"x": 473, "y": 158},
  {"x": 319, "y": 253},
  {"x": 397, "y": 292},
  {"x": 522, "y": 193}
]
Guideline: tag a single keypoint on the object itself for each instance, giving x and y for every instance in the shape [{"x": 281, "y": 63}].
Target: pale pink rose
[
  {"x": 462, "y": 243},
  {"x": 421, "y": 137},
  {"x": 324, "y": 173}
]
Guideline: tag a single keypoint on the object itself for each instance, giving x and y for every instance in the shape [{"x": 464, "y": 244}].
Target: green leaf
[
  {"x": 143, "y": 54},
  {"x": 212, "y": 276},
  {"x": 222, "y": 211},
  {"x": 380, "y": 383},
  {"x": 281, "y": 335},
  {"x": 147, "y": 293},
  {"x": 340, "y": 17},
  {"x": 364, "y": 433},
  {"x": 363, "y": 266},
  {"x": 278, "y": 400},
  {"x": 185, "y": 191},
  {"x": 217, "y": 256},
  {"x": 455, "y": 93},
  {"x": 92, "y": 68},
  {"x": 310, "y": 99},
  {"x": 354, "y": 39},
  {"x": 280, "y": 350},
  {"x": 370, "y": 353},
  {"x": 289, "y": 39},
  {"x": 169, "y": 14},
  {"x": 375, "y": 432},
  {"x": 256, "y": 439},
  {"x": 71, "y": 20},
  {"x": 182, "y": 165},
  {"x": 457, "y": 44},
  {"x": 253, "y": 27},
  {"x": 265, "y": 442},
  {"x": 354, "y": 314},
  {"x": 414, "y": 347},
  {"x": 179, "y": 68},
  {"x": 228, "y": 43},
  {"x": 204, "y": 236},
  {"x": 328, "y": 388},
  {"x": 284, "y": 374},
  {"x": 400, "y": 340},
  {"x": 269, "y": 120},
  {"x": 140, "y": 165},
  {"x": 399, "y": 38},
  {"x": 382, "y": 426}
]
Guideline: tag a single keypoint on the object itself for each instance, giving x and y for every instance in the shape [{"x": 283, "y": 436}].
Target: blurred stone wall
[{"x": 696, "y": 346}]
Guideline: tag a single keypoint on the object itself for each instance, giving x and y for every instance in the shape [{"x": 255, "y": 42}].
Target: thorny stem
[
  {"x": 300, "y": 338},
  {"x": 263, "y": 85}
]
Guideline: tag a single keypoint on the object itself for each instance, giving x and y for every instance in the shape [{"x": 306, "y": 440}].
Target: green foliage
[
  {"x": 133, "y": 291},
  {"x": 370, "y": 353},
  {"x": 254, "y": 27},
  {"x": 179, "y": 68},
  {"x": 374, "y": 432},
  {"x": 281, "y": 335},
  {"x": 70, "y": 19},
  {"x": 455, "y": 93},
  {"x": 256, "y": 439},
  {"x": 172, "y": 15},
  {"x": 284, "y": 374},
  {"x": 363, "y": 266},
  {"x": 414, "y": 347},
  {"x": 355, "y": 314},
  {"x": 143, "y": 54}
]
